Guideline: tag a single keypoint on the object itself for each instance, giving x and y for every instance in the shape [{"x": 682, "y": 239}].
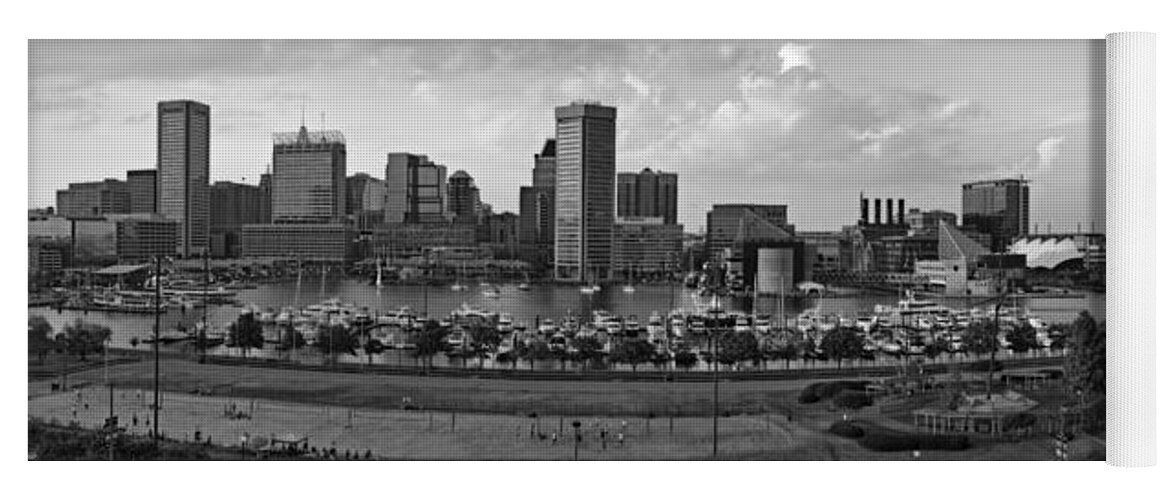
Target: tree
[
  {"x": 981, "y": 338},
  {"x": 686, "y": 359},
  {"x": 841, "y": 344},
  {"x": 587, "y": 350},
  {"x": 81, "y": 338},
  {"x": 632, "y": 352},
  {"x": 736, "y": 347},
  {"x": 335, "y": 339},
  {"x": 485, "y": 339},
  {"x": 430, "y": 340},
  {"x": 1022, "y": 337},
  {"x": 788, "y": 352},
  {"x": 246, "y": 333},
  {"x": 291, "y": 338},
  {"x": 371, "y": 347},
  {"x": 535, "y": 350},
  {"x": 40, "y": 334},
  {"x": 1086, "y": 366}
]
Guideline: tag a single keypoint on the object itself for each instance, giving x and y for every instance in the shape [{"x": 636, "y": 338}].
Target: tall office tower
[
  {"x": 184, "y": 147},
  {"x": 648, "y": 194},
  {"x": 355, "y": 189},
  {"x": 537, "y": 202},
  {"x": 266, "y": 197},
  {"x": 141, "y": 185},
  {"x": 583, "y": 249},
  {"x": 545, "y": 166},
  {"x": 999, "y": 208},
  {"x": 463, "y": 198},
  {"x": 308, "y": 176},
  {"x": 416, "y": 189}
]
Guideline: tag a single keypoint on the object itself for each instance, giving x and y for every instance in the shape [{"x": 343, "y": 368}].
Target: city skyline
[{"x": 826, "y": 119}]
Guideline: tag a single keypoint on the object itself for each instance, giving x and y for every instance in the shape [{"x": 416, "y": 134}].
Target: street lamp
[{"x": 576, "y": 437}]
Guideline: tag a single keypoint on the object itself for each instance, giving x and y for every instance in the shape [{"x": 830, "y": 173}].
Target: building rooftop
[{"x": 305, "y": 136}]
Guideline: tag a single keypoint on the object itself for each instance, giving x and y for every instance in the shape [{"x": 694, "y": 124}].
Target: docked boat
[{"x": 127, "y": 302}]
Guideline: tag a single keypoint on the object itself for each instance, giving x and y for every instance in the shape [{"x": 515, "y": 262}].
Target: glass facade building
[
  {"x": 309, "y": 177},
  {"x": 584, "y": 228}
]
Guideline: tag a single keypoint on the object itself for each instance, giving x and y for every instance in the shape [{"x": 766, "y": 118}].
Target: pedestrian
[
  {"x": 554, "y": 438},
  {"x": 623, "y": 426},
  {"x": 134, "y": 419},
  {"x": 621, "y": 439}
]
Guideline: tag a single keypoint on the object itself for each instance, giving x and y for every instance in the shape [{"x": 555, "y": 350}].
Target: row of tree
[{"x": 77, "y": 339}]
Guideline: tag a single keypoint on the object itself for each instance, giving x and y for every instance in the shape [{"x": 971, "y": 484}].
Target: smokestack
[
  {"x": 902, "y": 212},
  {"x": 865, "y": 211},
  {"x": 877, "y": 211},
  {"x": 890, "y": 211}
]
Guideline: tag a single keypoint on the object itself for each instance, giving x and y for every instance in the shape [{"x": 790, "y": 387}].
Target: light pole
[
  {"x": 158, "y": 319},
  {"x": 576, "y": 437}
]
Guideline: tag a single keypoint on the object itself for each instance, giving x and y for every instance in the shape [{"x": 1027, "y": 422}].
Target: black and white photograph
[{"x": 567, "y": 250}]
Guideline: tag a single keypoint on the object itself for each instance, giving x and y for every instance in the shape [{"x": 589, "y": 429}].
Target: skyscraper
[
  {"x": 583, "y": 249},
  {"x": 184, "y": 145},
  {"x": 463, "y": 197},
  {"x": 355, "y": 190},
  {"x": 648, "y": 194},
  {"x": 999, "y": 208},
  {"x": 309, "y": 176},
  {"x": 416, "y": 189},
  {"x": 537, "y": 201},
  {"x": 141, "y": 185}
]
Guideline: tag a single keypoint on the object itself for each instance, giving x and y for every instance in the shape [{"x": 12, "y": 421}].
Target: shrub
[
  {"x": 890, "y": 441},
  {"x": 853, "y": 400},
  {"x": 982, "y": 366},
  {"x": 825, "y": 390},
  {"x": 1019, "y": 421},
  {"x": 846, "y": 429}
]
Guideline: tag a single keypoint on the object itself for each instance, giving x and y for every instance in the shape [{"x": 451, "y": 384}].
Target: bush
[
  {"x": 885, "y": 440},
  {"x": 825, "y": 390},
  {"x": 982, "y": 366},
  {"x": 853, "y": 400},
  {"x": 846, "y": 429},
  {"x": 1019, "y": 421}
]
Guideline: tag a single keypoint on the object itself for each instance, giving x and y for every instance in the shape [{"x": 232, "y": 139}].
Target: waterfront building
[
  {"x": 142, "y": 186},
  {"x": 728, "y": 223},
  {"x": 646, "y": 246},
  {"x": 94, "y": 199},
  {"x": 500, "y": 233},
  {"x": 538, "y": 206},
  {"x": 184, "y": 144},
  {"x": 309, "y": 177},
  {"x": 999, "y": 208},
  {"x": 825, "y": 250},
  {"x": 463, "y": 198},
  {"x": 47, "y": 255},
  {"x": 307, "y": 242},
  {"x": 954, "y": 270},
  {"x": 773, "y": 267},
  {"x": 416, "y": 189},
  {"x": 899, "y": 253},
  {"x": 1066, "y": 250},
  {"x": 584, "y": 227},
  {"x": 648, "y": 194},
  {"x": 404, "y": 240},
  {"x": 929, "y": 220},
  {"x": 233, "y": 205},
  {"x": 266, "y": 197},
  {"x": 142, "y": 237}
]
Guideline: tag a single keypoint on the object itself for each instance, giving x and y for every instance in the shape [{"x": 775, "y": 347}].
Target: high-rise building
[
  {"x": 184, "y": 144},
  {"x": 416, "y": 189},
  {"x": 999, "y": 208},
  {"x": 94, "y": 199},
  {"x": 309, "y": 177},
  {"x": 142, "y": 187},
  {"x": 355, "y": 190},
  {"x": 648, "y": 194},
  {"x": 266, "y": 197},
  {"x": 583, "y": 249},
  {"x": 537, "y": 202},
  {"x": 463, "y": 198}
]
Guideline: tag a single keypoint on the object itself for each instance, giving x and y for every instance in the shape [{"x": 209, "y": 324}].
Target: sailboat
[
  {"x": 378, "y": 280},
  {"x": 525, "y": 285},
  {"x": 590, "y": 287}
]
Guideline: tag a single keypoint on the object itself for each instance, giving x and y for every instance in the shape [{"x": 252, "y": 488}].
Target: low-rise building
[
  {"x": 324, "y": 242},
  {"x": 645, "y": 246}
]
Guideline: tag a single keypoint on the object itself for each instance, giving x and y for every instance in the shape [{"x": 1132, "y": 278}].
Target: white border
[{"x": 595, "y": 19}]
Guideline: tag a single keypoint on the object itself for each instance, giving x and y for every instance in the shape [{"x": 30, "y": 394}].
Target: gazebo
[{"x": 976, "y": 414}]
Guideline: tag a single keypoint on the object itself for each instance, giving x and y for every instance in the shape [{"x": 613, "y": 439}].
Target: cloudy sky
[{"x": 809, "y": 124}]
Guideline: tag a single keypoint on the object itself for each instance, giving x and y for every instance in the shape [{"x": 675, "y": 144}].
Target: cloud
[
  {"x": 794, "y": 56},
  {"x": 637, "y": 84},
  {"x": 1047, "y": 151}
]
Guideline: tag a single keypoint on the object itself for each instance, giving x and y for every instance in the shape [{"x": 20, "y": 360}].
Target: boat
[
  {"x": 524, "y": 287},
  {"x": 491, "y": 293},
  {"x": 127, "y": 302},
  {"x": 457, "y": 287},
  {"x": 628, "y": 289}
]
